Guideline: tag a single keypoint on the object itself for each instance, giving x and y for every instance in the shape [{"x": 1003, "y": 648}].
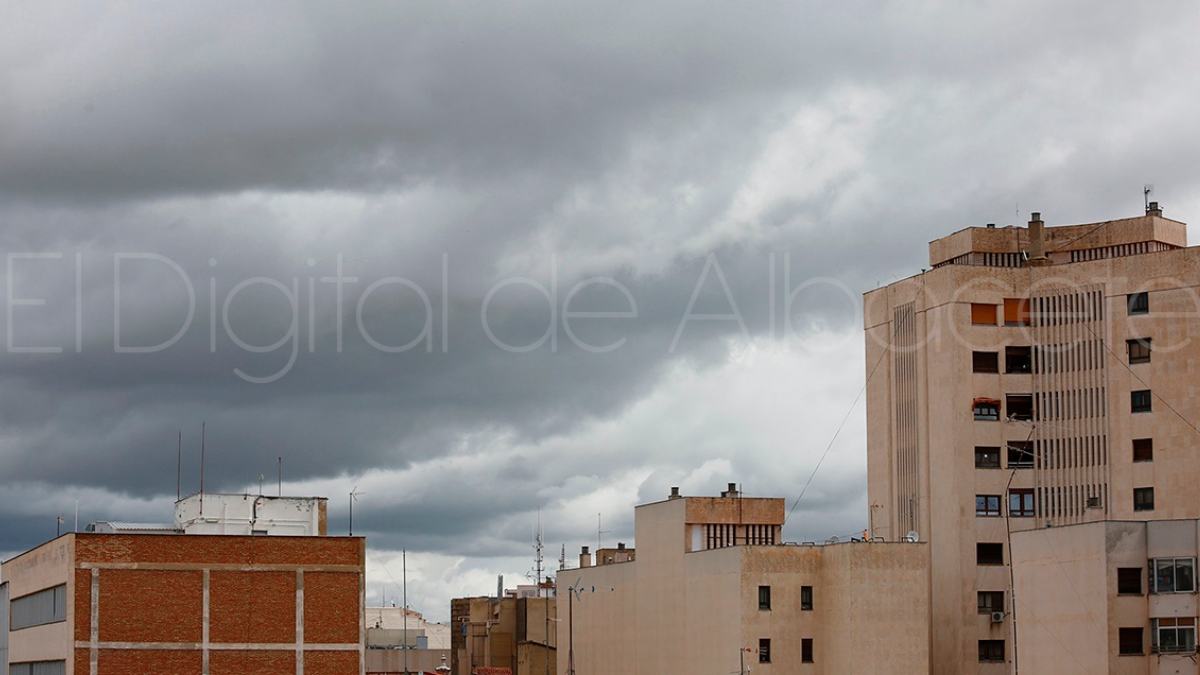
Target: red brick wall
[
  {"x": 83, "y": 604},
  {"x": 150, "y": 548},
  {"x": 252, "y": 663},
  {"x": 330, "y": 663},
  {"x": 252, "y": 606},
  {"x": 149, "y": 662},
  {"x": 331, "y": 607},
  {"x": 151, "y": 606}
]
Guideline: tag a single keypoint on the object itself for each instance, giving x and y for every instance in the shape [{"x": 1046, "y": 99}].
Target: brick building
[{"x": 131, "y": 604}]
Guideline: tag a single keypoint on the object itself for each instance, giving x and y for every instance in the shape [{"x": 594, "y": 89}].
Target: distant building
[
  {"x": 423, "y": 645},
  {"x": 1107, "y": 597},
  {"x": 115, "y": 601},
  {"x": 713, "y": 588},
  {"x": 512, "y": 635}
]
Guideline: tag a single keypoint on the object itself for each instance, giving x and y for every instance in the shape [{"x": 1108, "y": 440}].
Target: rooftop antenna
[
  {"x": 538, "y": 559},
  {"x": 354, "y": 493},
  {"x": 600, "y": 534},
  {"x": 179, "y": 467},
  {"x": 281, "y": 475},
  {"x": 58, "y": 527},
  {"x": 260, "y": 484},
  {"x": 1147, "y": 189},
  {"x": 203, "y": 443},
  {"x": 562, "y": 558}
]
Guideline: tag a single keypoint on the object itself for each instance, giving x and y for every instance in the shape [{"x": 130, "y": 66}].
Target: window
[
  {"x": 1173, "y": 635},
  {"x": 1129, "y": 580},
  {"x": 989, "y": 554},
  {"x": 987, "y": 505},
  {"x": 1174, "y": 575},
  {"x": 1139, "y": 303},
  {"x": 1143, "y": 449},
  {"x": 983, "y": 315},
  {"x": 1131, "y": 641},
  {"x": 991, "y": 651},
  {"x": 1020, "y": 503},
  {"x": 806, "y": 650},
  {"x": 42, "y": 607},
  {"x": 1020, "y": 406},
  {"x": 987, "y": 409},
  {"x": 1020, "y": 454},
  {"x": 806, "y": 598},
  {"x": 1139, "y": 401},
  {"x": 764, "y": 597},
  {"x": 1016, "y": 311},
  {"x": 1143, "y": 499},
  {"x": 1139, "y": 350},
  {"x": 985, "y": 362},
  {"x": 991, "y": 601},
  {"x": 764, "y": 650},
  {"x": 39, "y": 668},
  {"x": 987, "y": 457},
  {"x": 1018, "y": 359}
]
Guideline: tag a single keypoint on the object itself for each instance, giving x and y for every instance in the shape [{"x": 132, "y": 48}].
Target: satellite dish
[{"x": 912, "y": 537}]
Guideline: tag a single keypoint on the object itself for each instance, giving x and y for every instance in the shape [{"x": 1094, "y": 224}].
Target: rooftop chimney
[
  {"x": 991, "y": 226},
  {"x": 1037, "y": 240},
  {"x": 585, "y": 557},
  {"x": 731, "y": 491},
  {"x": 674, "y": 493},
  {"x": 1154, "y": 210},
  {"x": 620, "y": 546}
]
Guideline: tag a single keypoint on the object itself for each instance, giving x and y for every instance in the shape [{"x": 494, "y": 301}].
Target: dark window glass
[
  {"x": 985, "y": 362},
  {"x": 987, "y": 410},
  {"x": 1139, "y": 350},
  {"x": 989, "y": 554},
  {"x": 1020, "y": 454},
  {"x": 1129, "y": 580},
  {"x": 1174, "y": 575},
  {"x": 991, "y": 651},
  {"x": 1018, "y": 359},
  {"x": 1020, "y": 503},
  {"x": 1131, "y": 641},
  {"x": 987, "y": 457},
  {"x": 1143, "y": 449},
  {"x": 1020, "y": 406},
  {"x": 1139, "y": 401},
  {"x": 991, "y": 601},
  {"x": 764, "y": 597},
  {"x": 764, "y": 650},
  {"x": 806, "y": 650},
  {"x": 1143, "y": 499},
  {"x": 806, "y": 597},
  {"x": 1139, "y": 303}
]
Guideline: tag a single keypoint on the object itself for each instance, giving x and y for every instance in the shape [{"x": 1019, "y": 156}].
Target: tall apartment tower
[{"x": 1033, "y": 377}]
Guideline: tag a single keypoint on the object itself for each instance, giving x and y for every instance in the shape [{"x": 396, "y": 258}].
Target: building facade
[
  {"x": 101, "y": 603},
  {"x": 514, "y": 635},
  {"x": 714, "y": 590},
  {"x": 1108, "y": 597},
  {"x": 1034, "y": 376}
]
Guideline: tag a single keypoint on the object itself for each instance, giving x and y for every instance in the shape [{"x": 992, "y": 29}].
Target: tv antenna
[
  {"x": 539, "y": 558},
  {"x": 1147, "y": 190},
  {"x": 354, "y": 495},
  {"x": 600, "y": 532}
]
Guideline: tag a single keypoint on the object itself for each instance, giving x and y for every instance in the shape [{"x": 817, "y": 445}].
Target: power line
[{"x": 836, "y": 433}]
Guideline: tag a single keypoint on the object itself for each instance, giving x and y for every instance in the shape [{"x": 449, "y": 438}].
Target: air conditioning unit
[{"x": 997, "y": 617}]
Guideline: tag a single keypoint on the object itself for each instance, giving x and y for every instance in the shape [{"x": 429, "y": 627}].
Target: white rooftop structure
[{"x": 251, "y": 514}]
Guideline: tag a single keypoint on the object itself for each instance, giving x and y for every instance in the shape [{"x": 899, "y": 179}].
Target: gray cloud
[{"x": 540, "y": 141}]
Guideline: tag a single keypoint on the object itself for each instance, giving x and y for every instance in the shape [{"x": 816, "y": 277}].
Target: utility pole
[
  {"x": 404, "y": 599},
  {"x": 571, "y": 630}
]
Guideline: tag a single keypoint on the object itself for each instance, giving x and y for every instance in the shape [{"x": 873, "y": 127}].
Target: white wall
[{"x": 246, "y": 514}]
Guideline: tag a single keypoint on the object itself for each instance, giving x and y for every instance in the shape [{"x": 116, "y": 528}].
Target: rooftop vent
[
  {"x": 991, "y": 226},
  {"x": 1154, "y": 209},
  {"x": 674, "y": 493},
  {"x": 730, "y": 491}
]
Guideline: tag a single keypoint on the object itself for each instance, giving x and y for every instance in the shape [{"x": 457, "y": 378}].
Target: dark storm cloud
[{"x": 539, "y": 141}]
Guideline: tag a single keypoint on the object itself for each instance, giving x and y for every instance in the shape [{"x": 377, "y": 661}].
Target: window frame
[
  {"x": 1134, "y": 396},
  {"x": 1137, "y": 303},
  {"x": 985, "y": 362},
  {"x": 764, "y": 650},
  {"x": 989, "y": 607},
  {"x": 985, "y": 404},
  {"x": 1018, "y": 359},
  {"x": 987, "y": 450},
  {"x": 1172, "y": 625},
  {"x": 986, "y": 511},
  {"x": 1155, "y": 588},
  {"x": 806, "y": 598},
  {"x": 1023, "y": 416},
  {"x": 806, "y": 650},
  {"x": 1140, "y": 503},
  {"x": 764, "y": 598},
  {"x": 1131, "y": 574},
  {"x": 58, "y": 601},
  {"x": 988, "y": 653},
  {"x": 1144, "y": 453},
  {"x": 978, "y": 559},
  {"x": 979, "y": 312},
  {"x": 1138, "y": 350},
  {"x": 1122, "y": 649},
  {"x": 1027, "y": 503},
  {"x": 1024, "y": 453}
]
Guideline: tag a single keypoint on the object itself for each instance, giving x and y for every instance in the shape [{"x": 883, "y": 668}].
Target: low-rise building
[
  {"x": 124, "y": 603},
  {"x": 401, "y": 641},
  {"x": 512, "y": 635},
  {"x": 713, "y": 589},
  {"x": 1107, "y": 597}
]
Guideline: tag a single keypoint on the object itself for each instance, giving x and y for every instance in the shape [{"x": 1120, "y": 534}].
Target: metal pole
[
  {"x": 281, "y": 475},
  {"x": 571, "y": 631},
  {"x": 178, "y": 467},
  {"x": 404, "y": 591},
  {"x": 351, "y": 527}
]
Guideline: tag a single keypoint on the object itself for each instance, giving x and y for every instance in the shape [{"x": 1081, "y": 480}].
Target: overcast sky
[{"x": 366, "y": 237}]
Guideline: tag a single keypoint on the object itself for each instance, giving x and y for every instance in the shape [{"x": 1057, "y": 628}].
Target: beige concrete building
[
  {"x": 1035, "y": 376},
  {"x": 713, "y": 589},
  {"x": 1107, "y": 597},
  {"x": 512, "y": 635}
]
